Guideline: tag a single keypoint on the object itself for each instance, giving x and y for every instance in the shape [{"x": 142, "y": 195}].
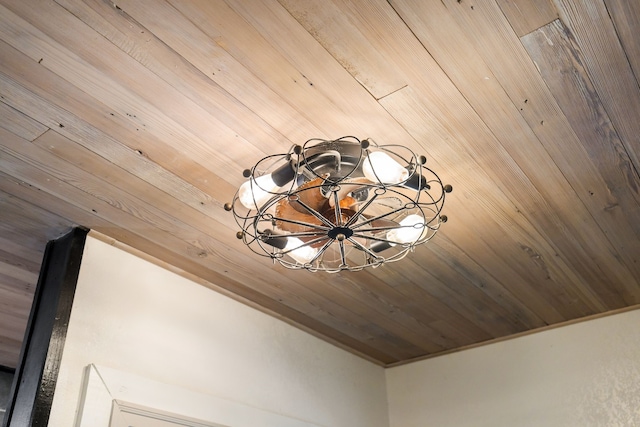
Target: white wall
[
  {"x": 587, "y": 374},
  {"x": 133, "y": 316},
  {"x": 136, "y": 317}
]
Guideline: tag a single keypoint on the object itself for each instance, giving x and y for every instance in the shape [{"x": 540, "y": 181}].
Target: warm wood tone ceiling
[{"x": 135, "y": 118}]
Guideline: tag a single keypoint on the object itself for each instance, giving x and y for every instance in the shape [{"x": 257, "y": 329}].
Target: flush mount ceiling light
[{"x": 339, "y": 205}]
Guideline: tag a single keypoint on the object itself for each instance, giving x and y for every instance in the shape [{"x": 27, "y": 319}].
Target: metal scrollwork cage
[{"x": 335, "y": 205}]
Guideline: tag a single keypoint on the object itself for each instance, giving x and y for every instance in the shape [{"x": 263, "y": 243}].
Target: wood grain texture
[
  {"x": 137, "y": 118},
  {"x": 20, "y": 124},
  {"x": 402, "y": 49},
  {"x": 539, "y": 108},
  {"x": 327, "y": 22},
  {"x": 560, "y": 62},
  {"x": 626, "y": 19},
  {"x": 527, "y": 15},
  {"x": 591, "y": 25}
]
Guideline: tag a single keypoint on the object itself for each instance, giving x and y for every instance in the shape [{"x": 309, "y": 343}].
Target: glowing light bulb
[
  {"x": 381, "y": 167},
  {"x": 254, "y": 194},
  {"x": 411, "y": 229},
  {"x": 299, "y": 252}
]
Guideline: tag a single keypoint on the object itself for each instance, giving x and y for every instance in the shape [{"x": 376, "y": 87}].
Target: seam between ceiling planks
[
  {"x": 626, "y": 21},
  {"x": 525, "y": 16},
  {"x": 20, "y": 124}
]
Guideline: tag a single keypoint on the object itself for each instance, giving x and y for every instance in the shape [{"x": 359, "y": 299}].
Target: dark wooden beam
[{"x": 36, "y": 375}]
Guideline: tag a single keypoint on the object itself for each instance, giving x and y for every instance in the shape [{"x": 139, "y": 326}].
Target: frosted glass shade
[
  {"x": 380, "y": 167},
  {"x": 254, "y": 194},
  {"x": 412, "y": 228},
  {"x": 302, "y": 254}
]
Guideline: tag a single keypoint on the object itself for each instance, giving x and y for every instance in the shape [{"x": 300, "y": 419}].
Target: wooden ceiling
[{"x": 136, "y": 118}]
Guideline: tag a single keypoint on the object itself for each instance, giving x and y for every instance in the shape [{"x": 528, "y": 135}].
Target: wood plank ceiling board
[
  {"x": 142, "y": 45},
  {"x": 560, "y": 62},
  {"x": 392, "y": 46},
  {"x": 515, "y": 257},
  {"x": 18, "y": 273},
  {"x": 626, "y": 19},
  {"x": 208, "y": 55},
  {"x": 136, "y": 119},
  {"x": 534, "y": 155},
  {"x": 20, "y": 291},
  {"x": 588, "y": 179},
  {"x": 10, "y": 347},
  {"x": 20, "y": 124},
  {"x": 526, "y": 15},
  {"x": 316, "y": 18},
  {"x": 478, "y": 28},
  {"x": 595, "y": 34},
  {"x": 6, "y": 256},
  {"x": 63, "y": 148},
  {"x": 108, "y": 194},
  {"x": 12, "y": 305},
  {"x": 351, "y": 110},
  {"x": 161, "y": 109},
  {"x": 36, "y": 93},
  {"x": 459, "y": 329},
  {"x": 15, "y": 246},
  {"x": 316, "y": 29},
  {"x": 25, "y": 217},
  {"x": 514, "y": 253}
]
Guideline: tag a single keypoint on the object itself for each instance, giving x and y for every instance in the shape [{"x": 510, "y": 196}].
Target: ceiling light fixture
[{"x": 339, "y": 205}]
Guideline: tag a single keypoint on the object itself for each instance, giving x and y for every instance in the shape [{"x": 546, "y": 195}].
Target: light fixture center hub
[{"x": 340, "y": 233}]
